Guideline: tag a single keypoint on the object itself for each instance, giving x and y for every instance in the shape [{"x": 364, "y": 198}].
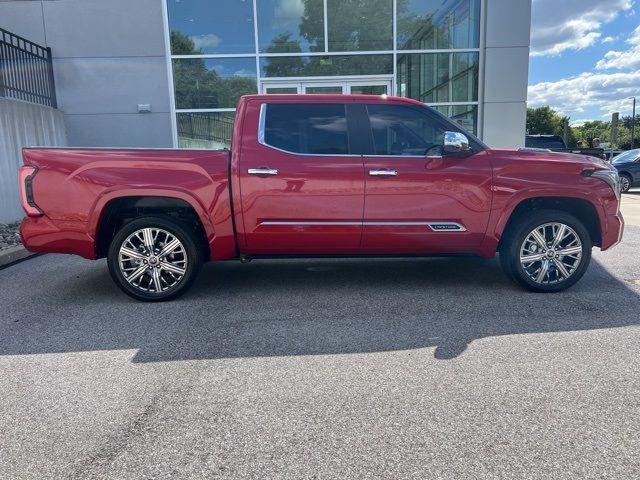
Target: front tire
[
  {"x": 153, "y": 259},
  {"x": 546, "y": 251},
  {"x": 625, "y": 182}
]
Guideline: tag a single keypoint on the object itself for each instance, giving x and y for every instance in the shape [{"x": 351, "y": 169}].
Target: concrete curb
[{"x": 13, "y": 254}]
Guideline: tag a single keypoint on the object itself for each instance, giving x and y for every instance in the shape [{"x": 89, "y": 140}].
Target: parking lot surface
[{"x": 385, "y": 368}]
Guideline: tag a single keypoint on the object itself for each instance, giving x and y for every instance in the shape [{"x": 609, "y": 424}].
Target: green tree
[
  {"x": 183, "y": 45},
  {"x": 546, "y": 121}
]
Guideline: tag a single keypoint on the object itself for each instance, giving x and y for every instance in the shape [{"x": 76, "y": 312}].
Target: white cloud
[
  {"x": 607, "y": 92},
  {"x": 580, "y": 122},
  {"x": 288, "y": 12},
  {"x": 627, "y": 59},
  {"x": 205, "y": 41},
  {"x": 558, "y": 26},
  {"x": 608, "y": 40}
]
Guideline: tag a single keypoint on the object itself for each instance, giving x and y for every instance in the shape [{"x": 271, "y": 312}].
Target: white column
[{"x": 506, "y": 72}]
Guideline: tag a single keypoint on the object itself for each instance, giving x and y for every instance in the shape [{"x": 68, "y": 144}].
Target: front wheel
[
  {"x": 625, "y": 183},
  {"x": 153, "y": 259},
  {"x": 546, "y": 251}
]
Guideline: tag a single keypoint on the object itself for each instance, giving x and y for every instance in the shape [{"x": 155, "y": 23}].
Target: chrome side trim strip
[
  {"x": 311, "y": 223},
  {"x": 434, "y": 226}
]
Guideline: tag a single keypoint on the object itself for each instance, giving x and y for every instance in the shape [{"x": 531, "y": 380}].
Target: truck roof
[{"x": 331, "y": 98}]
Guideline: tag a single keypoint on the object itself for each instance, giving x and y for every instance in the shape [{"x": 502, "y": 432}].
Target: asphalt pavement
[{"x": 385, "y": 368}]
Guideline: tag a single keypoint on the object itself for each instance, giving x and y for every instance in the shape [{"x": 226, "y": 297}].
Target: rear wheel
[
  {"x": 625, "y": 182},
  {"x": 547, "y": 251},
  {"x": 153, "y": 259}
]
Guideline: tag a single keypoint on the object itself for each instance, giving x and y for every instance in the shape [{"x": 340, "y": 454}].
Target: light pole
[{"x": 633, "y": 123}]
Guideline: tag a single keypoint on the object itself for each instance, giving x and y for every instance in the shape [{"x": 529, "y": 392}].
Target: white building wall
[
  {"x": 23, "y": 124},
  {"x": 108, "y": 57},
  {"x": 506, "y": 72}
]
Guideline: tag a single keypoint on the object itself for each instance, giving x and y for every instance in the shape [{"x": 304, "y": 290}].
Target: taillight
[{"x": 26, "y": 191}]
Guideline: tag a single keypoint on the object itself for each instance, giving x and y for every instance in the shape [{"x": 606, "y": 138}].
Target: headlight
[{"x": 610, "y": 177}]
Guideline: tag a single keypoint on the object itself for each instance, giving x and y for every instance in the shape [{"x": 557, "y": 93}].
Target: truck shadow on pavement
[{"x": 300, "y": 307}]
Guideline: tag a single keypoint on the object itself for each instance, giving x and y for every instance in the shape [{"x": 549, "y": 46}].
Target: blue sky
[{"x": 585, "y": 57}]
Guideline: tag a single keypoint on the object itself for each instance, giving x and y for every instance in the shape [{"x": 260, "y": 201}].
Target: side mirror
[{"x": 455, "y": 142}]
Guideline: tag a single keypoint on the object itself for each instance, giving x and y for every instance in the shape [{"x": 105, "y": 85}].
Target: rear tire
[
  {"x": 153, "y": 259},
  {"x": 546, "y": 251}
]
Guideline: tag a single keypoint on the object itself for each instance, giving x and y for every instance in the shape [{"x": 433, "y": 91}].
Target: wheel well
[
  {"x": 581, "y": 209},
  {"x": 122, "y": 210}
]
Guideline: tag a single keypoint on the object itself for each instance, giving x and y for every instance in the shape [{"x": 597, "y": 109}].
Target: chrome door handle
[
  {"x": 262, "y": 171},
  {"x": 383, "y": 173}
]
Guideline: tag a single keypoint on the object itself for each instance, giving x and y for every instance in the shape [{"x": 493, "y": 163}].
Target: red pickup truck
[{"x": 329, "y": 175}]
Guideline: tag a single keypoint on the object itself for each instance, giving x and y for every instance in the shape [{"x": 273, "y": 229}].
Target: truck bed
[{"x": 74, "y": 185}]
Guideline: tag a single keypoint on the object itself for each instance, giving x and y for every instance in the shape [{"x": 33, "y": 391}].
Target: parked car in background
[
  {"x": 555, "y": 143},
  {"x": 328, "y": 175},
  {"x": 628, "y": 166}
]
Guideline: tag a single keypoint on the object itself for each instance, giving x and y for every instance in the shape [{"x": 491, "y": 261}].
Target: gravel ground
[{"x": 9, "y": 234}]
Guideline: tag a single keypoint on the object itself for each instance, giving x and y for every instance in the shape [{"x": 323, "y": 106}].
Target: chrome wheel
[
  {"x": 152, "y": 260},
  {"x": 551, "y": 253},
  {"x": 625, "y": 184}
]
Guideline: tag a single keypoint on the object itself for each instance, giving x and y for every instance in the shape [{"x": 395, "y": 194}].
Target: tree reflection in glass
[{"x": 210, "y": 83}]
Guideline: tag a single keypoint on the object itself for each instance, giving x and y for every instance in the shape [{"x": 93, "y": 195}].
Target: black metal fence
[
  {"x": 216, "y": 127},
  {"x": 26, "y": 72}
]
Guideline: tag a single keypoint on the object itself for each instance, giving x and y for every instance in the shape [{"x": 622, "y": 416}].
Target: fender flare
[
  {"x": 115, "y": 193},
  {"x": 496, "y": 228}
]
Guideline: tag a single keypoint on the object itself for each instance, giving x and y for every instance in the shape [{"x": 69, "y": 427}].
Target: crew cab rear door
[
  {"x": 301, "y": 187},
  {"x": 418, "y": 200}
]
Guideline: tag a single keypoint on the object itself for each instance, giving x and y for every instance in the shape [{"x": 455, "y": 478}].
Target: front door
[
  {"x": 417, "y": 200},
  {"x": 302, "y": 190}
]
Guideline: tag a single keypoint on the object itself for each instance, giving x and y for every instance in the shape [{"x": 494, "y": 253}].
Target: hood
[{"x": 553, "y": 157}]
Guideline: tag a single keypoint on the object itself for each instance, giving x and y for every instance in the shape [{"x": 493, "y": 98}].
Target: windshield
[
  {"x": 550, "y": 141},
  {"x": 628, "y": 156}
]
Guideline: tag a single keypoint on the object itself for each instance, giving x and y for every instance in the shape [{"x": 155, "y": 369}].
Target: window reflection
[
  {"x": 307, "y": 128},
  {"x": 359, "y": 25},
  {"x": 326, "y": 66},
  {"x": 399, "y": 131},
  {"x": 438, "y": 77},
  {"x": 205, "y": 130},
  {"x": 290, "y": 26},
  {"x": 205, "y": 26},
  {"x": 213, "y": 83},
  {"x": 435, "y": 24}
]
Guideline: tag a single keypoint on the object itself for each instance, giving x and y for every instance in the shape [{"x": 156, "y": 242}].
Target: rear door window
[{"x": 311, "y": 128}]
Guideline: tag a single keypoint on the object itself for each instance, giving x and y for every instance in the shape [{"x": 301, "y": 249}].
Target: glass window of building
[
  {"x": 205, "y": 26},
  {"x": 307, "y": 128},
  {"x": 322, "y": 66},
  {"x": 438, "y": 77},
  {"x": 438, "y": 24},
  {"x": 466, "y": 116},
  {"x": 207, "y": 83},
  {"x": 302, "y": 46},
  {"x": 356, "y": 25},
  {"x": 290, "y": 26},
  {"x": 205, "y": 130}
]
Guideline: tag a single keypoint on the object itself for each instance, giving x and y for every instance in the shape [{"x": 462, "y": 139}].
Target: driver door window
[{"x": 403, "y": 131}]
